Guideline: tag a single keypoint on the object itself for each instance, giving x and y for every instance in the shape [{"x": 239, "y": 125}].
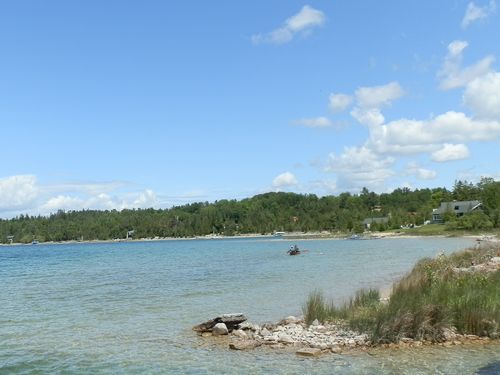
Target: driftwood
[{"x": 232, "y": 322}]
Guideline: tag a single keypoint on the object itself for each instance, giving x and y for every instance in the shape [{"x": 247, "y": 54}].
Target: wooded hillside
[{"x": 263, "y": 213}]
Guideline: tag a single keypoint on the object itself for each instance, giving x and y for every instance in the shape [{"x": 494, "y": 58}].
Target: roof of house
[{"x": 457, "y": 207}]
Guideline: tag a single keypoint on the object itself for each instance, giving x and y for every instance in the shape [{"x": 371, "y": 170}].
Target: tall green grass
[{"x": 431, "y": 298}]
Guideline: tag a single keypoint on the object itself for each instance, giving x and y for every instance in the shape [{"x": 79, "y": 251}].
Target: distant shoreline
[{"x": 288, "y": 236}]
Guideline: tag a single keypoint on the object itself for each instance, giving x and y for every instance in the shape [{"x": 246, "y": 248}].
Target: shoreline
[
  {"x": 291, "y": 334},
  {"x": 289, "y": 236}
]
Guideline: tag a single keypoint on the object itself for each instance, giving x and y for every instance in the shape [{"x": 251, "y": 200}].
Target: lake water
[{"x": 129, "y": 307}]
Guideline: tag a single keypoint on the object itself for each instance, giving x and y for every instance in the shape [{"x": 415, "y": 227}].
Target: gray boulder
[
  {"x": 232, "y": 321},
  {"x": 220, "y": 329}
]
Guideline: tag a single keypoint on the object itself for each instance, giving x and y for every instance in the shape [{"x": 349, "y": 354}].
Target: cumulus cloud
[
  {"x": 285, "y": 179},
  {"x": 145, "y": 199},
  {"x": 302, "y": 22},
  {"x": 451, "y": 152},
  {"x": 23, "y": 194},
  {"x": 482, "y": 95},
  {"x": 419, "y": 172},
  {"x": 339, "y": 102},
  {"x": 370, "y": 100},
  {"x": 474, "y": 12},
  {"x": 414, "y": 136},
  {"x": 316, "y": 122},
  {"x": 18, "y": 192},
  {"x": 358, "y": 167},
  {"x": 101, "y": 201},
  {"x": 370, "y": 117},
  {"x": 378, "y": 96},
  {"x": 453, "y": 75}
]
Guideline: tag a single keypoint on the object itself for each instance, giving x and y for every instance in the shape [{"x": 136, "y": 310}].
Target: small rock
[
  {"x": 289, "y": 320},
  {"x": 315, "y": 323},
  {"x": 285, "y": 339},
  {"x": 335, "y": 349},
  {"x": 277, "y": 346},
  {"x": 495, "y": 261},
  {"x": 448, "y": 334},
  {"x": 309, "y": 352},
  {"x": 240, "y": 333},
  {"x": 320, "y": 328},
  {"x": 243, "y": 344},
  {"x": 219, "y": 329},
  {"x": 265, "y": 332},
  {"x": 247, "y": 326}
]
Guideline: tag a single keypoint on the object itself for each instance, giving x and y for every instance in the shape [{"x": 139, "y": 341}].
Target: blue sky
[{"x": 123, "y": 104}]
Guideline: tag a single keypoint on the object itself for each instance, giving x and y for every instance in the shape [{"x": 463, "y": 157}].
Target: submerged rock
[
  {"x": 231, "y": 321},
  {"x": 243, "y": 344},
  {"x": 309, "y": 352}
]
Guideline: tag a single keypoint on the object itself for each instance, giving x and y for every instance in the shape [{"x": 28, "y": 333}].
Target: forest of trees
[{"x": 264, "y": 213}]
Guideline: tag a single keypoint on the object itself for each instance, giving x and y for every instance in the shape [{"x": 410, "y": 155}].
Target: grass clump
[{"x": 433, "y": 298}]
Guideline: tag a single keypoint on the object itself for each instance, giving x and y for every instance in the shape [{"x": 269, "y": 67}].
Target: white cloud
[
  {"x": 18, "y": 192},
  {"x": 378, "y": 96},
  {"x": 414, "y": 136},
  {"x": 317, "y": 122},
  {"x": 474, "y": 12},
  {"x": 101, "y": 201},
  {"x": 482, "y": 95},
  {"x": 339, "y": 102},
  {"x": 451, "y": 152},
  {"x": 452, "y": 75},
  {"x": 369, "y": 101},
  {"x": 456, "y": 48},
  {"x": 63, "y": 202},
  {"x": 302, "y": 22},
  {"x": 146, "y": 199},
  {"x": 284, "y": 180},
  {"x": 359, "y": 167},
  {"x": 421, "y": 173},
  {"x": 426, "y": 174},
  {"x": 23, "y": 194},
  {"x": 370, "y": 117}
]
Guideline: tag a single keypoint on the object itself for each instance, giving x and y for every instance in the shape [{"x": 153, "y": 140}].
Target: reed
[{"x": 432, "y": 298}]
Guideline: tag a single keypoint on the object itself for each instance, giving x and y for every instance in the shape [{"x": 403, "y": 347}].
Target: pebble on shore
[{"x": 292, "y": 333}]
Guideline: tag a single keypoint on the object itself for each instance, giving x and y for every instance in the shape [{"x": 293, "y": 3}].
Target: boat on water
[{"x": 294, "y": 250}]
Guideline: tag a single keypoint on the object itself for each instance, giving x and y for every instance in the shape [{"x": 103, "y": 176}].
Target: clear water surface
[{"x": 129, "y": 307}]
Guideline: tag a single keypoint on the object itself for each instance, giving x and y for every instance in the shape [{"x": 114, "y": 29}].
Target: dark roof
[{"x": 457, "y": 207}]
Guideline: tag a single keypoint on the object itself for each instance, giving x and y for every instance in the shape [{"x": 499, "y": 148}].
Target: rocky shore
[{"x": 293, "y": 334}]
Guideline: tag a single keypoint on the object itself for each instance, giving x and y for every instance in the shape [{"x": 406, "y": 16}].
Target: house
[
  {"x": 459, "y": 208},
  {"x": 378, "y": 220}
]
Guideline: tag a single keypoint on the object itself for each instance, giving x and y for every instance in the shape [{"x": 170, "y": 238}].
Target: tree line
[{"x": 264, "y": 214}]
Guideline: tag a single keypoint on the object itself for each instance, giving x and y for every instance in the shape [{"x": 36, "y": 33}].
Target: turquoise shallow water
[{"x": 129, "y": 307}]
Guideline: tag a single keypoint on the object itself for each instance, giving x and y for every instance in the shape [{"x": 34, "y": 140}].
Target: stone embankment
[
  {"x": 289, "y": 333},
  {"x": 293, "y": 334}
]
